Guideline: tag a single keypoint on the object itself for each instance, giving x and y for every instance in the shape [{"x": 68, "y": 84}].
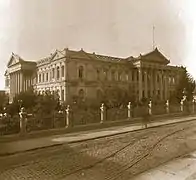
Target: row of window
[
  {"x": 120, "y": 76},
  {"x": 55, "y": 73}
]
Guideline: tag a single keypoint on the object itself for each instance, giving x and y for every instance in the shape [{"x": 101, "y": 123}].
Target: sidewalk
[
  {"x": 8, "y": 148},
  {"x": 183, "y": 168}
]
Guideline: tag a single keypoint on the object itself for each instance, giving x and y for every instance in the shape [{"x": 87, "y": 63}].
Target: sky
[{"x": 35, "y": 28}]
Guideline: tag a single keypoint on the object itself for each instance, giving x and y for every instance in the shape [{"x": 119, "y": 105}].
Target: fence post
[
  {"x": 67, "y": 116},
  {"x": 167, "y": 106},
  {"x": 193, "y": 106},
  {"x": 129, "y": 109},
  {"x": 23, "y": 121},
  {"x": 150, "y": 108},
  {"x": 102, "y": 108},
  {"x": 181, "y": 105}
]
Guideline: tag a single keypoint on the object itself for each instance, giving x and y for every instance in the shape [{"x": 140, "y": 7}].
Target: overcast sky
[{"x": 35, "y": 28}]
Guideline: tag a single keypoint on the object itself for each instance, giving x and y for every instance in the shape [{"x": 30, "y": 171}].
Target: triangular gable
[
  {"x": 14, "y": 59},
  {"x": 155, "y": 56},
  {"x": 57, "y": 55},
  {"x": 77, "y": 54}
]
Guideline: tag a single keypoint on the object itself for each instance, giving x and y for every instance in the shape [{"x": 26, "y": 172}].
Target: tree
[
  {"x": 115, "y": 96},
  {"x": 3, "y": 101},
  {"x": 47, "y": 102},
  {"x": 186, "y": 86}
]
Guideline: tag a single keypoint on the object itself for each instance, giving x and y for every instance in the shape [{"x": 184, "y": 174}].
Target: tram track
[{"x": 129, "y": 145}]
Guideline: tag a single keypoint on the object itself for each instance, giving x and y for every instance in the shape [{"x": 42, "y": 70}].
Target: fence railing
[{"x": 85, "y": 116}]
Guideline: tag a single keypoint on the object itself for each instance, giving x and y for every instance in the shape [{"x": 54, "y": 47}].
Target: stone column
[
  {"x": 21, "y": 82},
  {"x": 155, "y": 83},
  {"x": 60, "y": 71},
  {"x": 16, "y": 82},
  {"x": 166, "y": 84},
  {"x": 14, "y": 74},
  {"x": 161, "y": 85},
  {"x": 140, "y": 83},
  {"x": 146, "y": 83},
  {"x": 151, "y": 82}
]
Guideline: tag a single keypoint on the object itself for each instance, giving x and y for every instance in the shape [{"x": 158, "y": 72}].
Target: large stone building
[{"x": 89, "y": 75}]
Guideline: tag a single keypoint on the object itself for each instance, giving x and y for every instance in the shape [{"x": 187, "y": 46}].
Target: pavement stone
[{"x": 98, "y": 159}]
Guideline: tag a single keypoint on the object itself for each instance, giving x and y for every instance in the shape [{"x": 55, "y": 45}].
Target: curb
[{"x": 93, "y": 138}]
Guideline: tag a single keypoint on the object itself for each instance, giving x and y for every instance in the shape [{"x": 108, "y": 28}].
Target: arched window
[
  {"x": 98, "y": 74},
  {"x": 63, "y": 71},
  {"x": 81, "y": 72},
  {"x": 52, "y": 72}
]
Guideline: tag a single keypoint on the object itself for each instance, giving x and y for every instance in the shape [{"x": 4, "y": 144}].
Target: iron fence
[{"x": 86, "y": 116}]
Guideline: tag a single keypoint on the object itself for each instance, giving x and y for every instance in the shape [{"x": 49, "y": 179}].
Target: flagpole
[{"x": 153, "y": 42}]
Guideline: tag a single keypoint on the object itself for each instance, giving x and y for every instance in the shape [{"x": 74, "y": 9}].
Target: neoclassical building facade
[{"x": 90, "y": 75}]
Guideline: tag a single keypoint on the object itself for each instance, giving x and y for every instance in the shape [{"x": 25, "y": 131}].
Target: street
[{"x": 118, "y": 157}]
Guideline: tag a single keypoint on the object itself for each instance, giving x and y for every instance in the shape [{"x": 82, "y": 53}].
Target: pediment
[
  {"x": 156, "y": 57},
  {"x": 14, "y": 59},
  {"x": 58, "y": 55}
]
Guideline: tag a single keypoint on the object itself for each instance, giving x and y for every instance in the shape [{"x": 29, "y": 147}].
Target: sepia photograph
[{"x": 97, "y": 90}]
